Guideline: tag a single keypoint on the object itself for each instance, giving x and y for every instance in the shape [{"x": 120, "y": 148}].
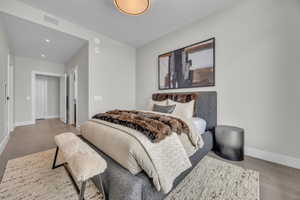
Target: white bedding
[
  {"x": 162, "y": 161},
  {"x": 200, "y": 124}
]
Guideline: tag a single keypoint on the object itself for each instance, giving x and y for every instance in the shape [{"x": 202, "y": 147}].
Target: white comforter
[{"x": 162, "y": 161}]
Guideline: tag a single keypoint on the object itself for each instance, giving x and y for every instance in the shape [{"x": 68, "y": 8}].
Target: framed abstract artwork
[{"x": 188, "y": 67}]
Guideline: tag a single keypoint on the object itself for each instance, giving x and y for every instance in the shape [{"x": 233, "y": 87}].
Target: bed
[{"x": 120, "y": 183}]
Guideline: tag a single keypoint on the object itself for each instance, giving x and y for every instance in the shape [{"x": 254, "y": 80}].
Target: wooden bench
[{"x": 80, "y": 161}]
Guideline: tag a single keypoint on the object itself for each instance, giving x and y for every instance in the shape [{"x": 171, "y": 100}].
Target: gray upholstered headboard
[{"x": 205, "y": 104}]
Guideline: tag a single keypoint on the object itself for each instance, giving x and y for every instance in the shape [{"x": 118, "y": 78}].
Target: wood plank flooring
[
  {"x": 26, "y": 140},
  {"x": 277, "y": 182}
]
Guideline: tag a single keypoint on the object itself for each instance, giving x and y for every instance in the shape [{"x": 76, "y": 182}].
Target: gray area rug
[
  {"x": 31, "y": 177},
  {"x": 213, "y": 179}
]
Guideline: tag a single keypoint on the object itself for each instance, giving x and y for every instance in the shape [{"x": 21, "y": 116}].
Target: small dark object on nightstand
[{"x": 229, "y": 142}]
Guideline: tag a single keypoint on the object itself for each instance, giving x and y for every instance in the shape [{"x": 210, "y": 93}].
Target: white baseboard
[
  {"x": 24, "y": 123},
  {"x": 273, "y": 157},
  {"x": 51, "y": 117},
  {"x": 3, "y": 143},
  {"x": 63, "y": 120}
]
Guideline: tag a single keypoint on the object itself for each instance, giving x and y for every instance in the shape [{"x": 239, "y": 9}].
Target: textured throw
[
  {"x": 178, "y": 97},
  {"x": 31, "y": 177},
  {"x": 155, "y": 126}
]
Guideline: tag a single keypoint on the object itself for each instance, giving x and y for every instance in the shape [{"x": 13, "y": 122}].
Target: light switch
[
  {"x": 97, "y": 50},
  {"x": 28, "y": 98},
  {"x": 97, "y": 41},
  {"x": 98, "y": 98}
]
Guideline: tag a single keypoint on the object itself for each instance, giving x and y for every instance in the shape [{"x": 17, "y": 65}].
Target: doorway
[
  {"x": 67, "y": 99},
  {"x": 7, "y": 96},
  {"x": 72, "y": 88},
  {"x": 46, "y": 96},
  {"x": 63, "y": 99},
  {"x": 41, "y": 98},
  {"x": 52, "y": 52}
]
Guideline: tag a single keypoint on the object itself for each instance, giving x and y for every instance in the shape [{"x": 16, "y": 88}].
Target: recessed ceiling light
[
  {"x": 47, "y": 40},
  {"x": 43, "y": 55}
]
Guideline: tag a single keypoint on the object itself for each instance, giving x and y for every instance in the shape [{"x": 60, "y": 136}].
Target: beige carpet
[
  {"x": 31, "y": 177},
  {"x": 213, "y": 179}
]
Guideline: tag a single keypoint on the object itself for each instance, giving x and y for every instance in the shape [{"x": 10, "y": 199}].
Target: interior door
[
  {"x": 41, "y": 98},
  {"x": 63, "y": 98},
  {"x": 68, "y": 100},
  {"x": 71, "y": 98},
  {"x": 6, "y": 100},
  {"x": 11, "y": 98},
  {"x": 4, "y": 63},
  {"x": 75, "y": 97}
]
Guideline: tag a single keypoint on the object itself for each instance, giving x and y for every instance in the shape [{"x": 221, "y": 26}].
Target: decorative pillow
[
  {"x": 164, "y": 109},
  {"x": 152, "y": 102},
  {"x": 185, "y": 110},
  {"x": 200, "y": 124}
]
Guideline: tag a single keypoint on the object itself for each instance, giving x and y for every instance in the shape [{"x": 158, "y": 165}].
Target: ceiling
[
  {"x": 29, "y": 40},
  {"x": 101, "y": 16}
]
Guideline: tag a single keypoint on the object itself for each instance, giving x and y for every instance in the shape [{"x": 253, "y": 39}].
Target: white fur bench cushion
[
  {"x": 65, "y": 138},
  {"x": 83, "y": 161}
]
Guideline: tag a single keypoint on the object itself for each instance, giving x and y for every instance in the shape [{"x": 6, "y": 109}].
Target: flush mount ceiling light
[{"x": 133, "y": 7}]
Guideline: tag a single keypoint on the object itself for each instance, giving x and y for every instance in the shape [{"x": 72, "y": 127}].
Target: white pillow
[
  {"x": 152, "y": 102},
  {"x": 185, "y": 110},
  {"x": 200, "y": 124}
]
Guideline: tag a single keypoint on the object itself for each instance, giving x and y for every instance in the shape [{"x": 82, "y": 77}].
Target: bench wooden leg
[
  {"x": 54, "y": 166},
  {"x": 82, "y": 190},
  {"x": 101, "y": 186},
  {"x": 83, "y": 186}
]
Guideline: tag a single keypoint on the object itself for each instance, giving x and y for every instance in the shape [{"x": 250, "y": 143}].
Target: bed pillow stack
[
  {"x": 185, "y": 110},
  {"x": 164, "y": 109},
  {"x": 160, "y": 103}
]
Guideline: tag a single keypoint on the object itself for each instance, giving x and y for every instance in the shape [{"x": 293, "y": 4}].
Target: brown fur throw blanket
[{"x": 155, "y": 126}]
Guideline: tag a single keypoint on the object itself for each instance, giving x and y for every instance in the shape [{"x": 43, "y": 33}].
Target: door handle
[{"x": 5, "y": 93}]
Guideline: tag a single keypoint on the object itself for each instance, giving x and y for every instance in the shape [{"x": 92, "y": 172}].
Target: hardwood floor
[
  {"x": 277, "y": 182},
  {"x": 26, "y": 140}
]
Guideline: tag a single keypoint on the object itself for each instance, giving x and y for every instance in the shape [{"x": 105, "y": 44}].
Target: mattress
[{"x": 119, "y": 183}]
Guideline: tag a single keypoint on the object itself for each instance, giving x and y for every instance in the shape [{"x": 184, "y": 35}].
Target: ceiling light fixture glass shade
[{"x": 133, "y": 7}]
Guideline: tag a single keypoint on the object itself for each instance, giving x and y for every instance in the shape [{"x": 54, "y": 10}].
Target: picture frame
[{"x": 188, "y": 67}]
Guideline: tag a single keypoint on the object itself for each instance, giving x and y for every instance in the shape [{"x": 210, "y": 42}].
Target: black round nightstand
[{"x": 229, "y": 142}]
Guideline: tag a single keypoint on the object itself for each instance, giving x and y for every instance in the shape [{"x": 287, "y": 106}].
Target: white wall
[
  {"x": 111, "y": 65},
  {"x": 23, "y": 69},
  {"x": 257, "y": 70},
  {"x": 4, "y": 51},
  {"x": 113, "y": 78},
  {"x": 53, "y": 95},
  {"x": 80, "y": 61}
]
